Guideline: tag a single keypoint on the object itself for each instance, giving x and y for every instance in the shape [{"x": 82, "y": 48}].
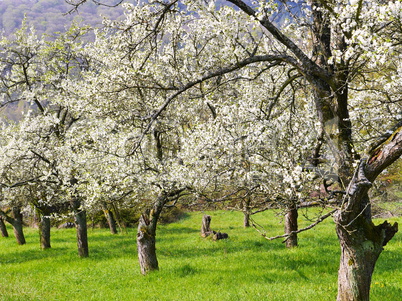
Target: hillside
[{"x": 49, "y": 16}]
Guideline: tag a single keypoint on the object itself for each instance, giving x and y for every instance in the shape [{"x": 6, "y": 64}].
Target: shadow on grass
[
  {"x": 102, "y": 246},
  {"x": 314, "y": 254},
  {"x": 30, "y": 254}
]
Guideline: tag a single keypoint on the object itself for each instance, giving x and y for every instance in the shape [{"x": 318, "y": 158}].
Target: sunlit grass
[{"x": 244, "y": 267}]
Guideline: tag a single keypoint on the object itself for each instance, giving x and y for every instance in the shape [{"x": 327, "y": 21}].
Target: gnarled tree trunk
[
  {"x": 146, "y": 233},
  {"x": 361, "y": 241},
  {"x": 359, "y": 255},
  {"x": 361, "y": 244},
  {"x": 3, "y": 228},
  {"x": 146, "y": 236},
  {"x": 17, "y": 224},
  {"x": 80, "y": 216},
  {"x": 146, "y": 243},
  {"x": 291, "y": 225}
]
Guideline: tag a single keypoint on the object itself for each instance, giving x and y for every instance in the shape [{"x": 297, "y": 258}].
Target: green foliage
[
  {"x": 171, "y": 215},
  {"x": 244, "y": 267}
]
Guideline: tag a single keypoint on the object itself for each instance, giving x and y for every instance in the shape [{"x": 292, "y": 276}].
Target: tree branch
[
  {"x": 6, "y": 217},
  {"x": 234, "y": 67},
  {"x": 319, "y": 220},
  {"x": 308, "y": 66},
  {"x": 384, "y": 154},
  {"x": 77, "y": 3}
]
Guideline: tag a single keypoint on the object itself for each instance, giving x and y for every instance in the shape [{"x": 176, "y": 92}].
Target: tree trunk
[
  {"x": 359, "y": 254},
  {"x": 246, "y": 221},
  {"x": 81, "y": 227},
  {"x": 146, "y": 234},
  {"x": 291, "y": 225},
  {"x": 82, "y": 233},
  {"x": 361, "y": 241},
  {"x": 17, "y": 226},
  {"x": 119, "y": 222},
  {"x": 44, "y": 231},
  {"x": 206, "y": 226},
  {"x": 146, "y": 244},
  {"x": 110, "y": 219},
  {"x": 3, "y": 228},
  {"x": 16, "y": 222},
  {"x": 246, "y": 212}
]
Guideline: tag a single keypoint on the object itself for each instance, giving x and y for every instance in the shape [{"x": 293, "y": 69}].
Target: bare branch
[
  {"x": 41, "y": 157},
  {"x": 18, "y": 184},
  {"x": 308, "y": 66},
  {"x": 77, "y": 3},
  {"x": 319, "y": 220}
]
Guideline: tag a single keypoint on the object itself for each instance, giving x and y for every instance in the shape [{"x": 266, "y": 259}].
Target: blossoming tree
[
  {"x": 330, "y": 46},
  {"x": 37, "y": 167}
]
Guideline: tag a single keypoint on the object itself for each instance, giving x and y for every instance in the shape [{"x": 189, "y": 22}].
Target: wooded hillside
[{"x": 49, "y": 16}]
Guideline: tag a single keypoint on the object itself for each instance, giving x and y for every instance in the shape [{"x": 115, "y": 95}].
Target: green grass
[{"x": 244, "y": 267}]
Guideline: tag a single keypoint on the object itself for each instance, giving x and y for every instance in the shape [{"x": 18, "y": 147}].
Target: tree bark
[
  {"x": 81, "y": 227},
  {"x": 206, "y": 226},
  {"x": 361, "y": 244},
  {"x": 44, "y": 230},
  {"x": 16, "y": 223},
  {"x": 290, "y": 226},
  {"x": 82, "y": 233},
  {"x": 246, "y": 212},
  {"x": 146, "y": 244},
  {"x": 3, "y": 228},
  {"x": 246, "y": 220},
  {"x": 111, "y": 221},
  {"x": 359, "y": 254},
  {"x": 146, "y": 236},
  {"x": 361, "y": 241},
  {"x": 18, "y": 226}
]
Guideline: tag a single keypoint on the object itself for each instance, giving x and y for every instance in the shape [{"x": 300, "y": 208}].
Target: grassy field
[{"x": 244, "y": 267}]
